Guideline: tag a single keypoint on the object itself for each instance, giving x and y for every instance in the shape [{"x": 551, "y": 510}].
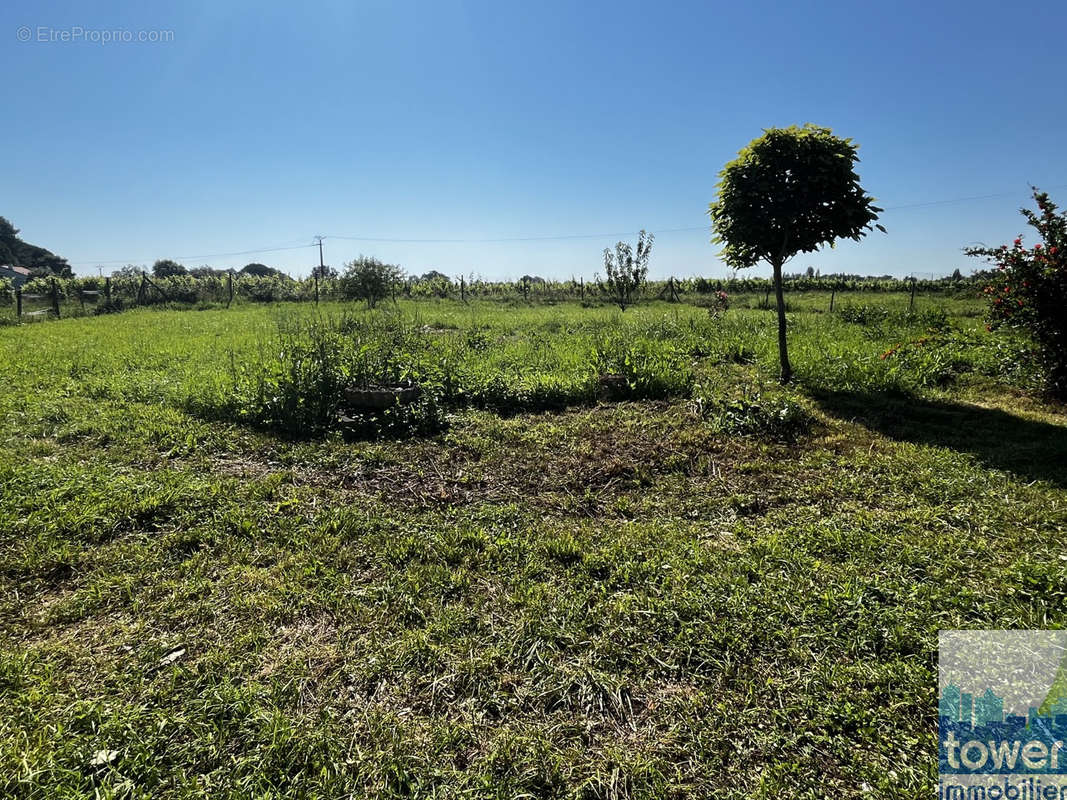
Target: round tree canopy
[{"x": 790, "y": 191}]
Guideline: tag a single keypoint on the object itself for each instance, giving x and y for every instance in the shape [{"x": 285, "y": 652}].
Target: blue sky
[{"x": 263, "y": 124}]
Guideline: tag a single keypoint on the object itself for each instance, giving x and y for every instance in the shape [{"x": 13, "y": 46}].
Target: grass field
[{"x": 707, "y": 586}]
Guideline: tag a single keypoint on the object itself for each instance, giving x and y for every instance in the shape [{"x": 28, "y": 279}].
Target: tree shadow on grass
[{"x": 1031, "y": 449}]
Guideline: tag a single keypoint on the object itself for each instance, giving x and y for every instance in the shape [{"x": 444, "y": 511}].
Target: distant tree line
[{"x": 168, "y": 268}]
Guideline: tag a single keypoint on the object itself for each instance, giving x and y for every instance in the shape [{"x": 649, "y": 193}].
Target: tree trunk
[{"x": 783, "y": 352}]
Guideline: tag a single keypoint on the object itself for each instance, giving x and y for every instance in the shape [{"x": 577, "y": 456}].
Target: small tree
[
  {"x": 166, "y": 268},
  {"x": 626, "y": 269},
  {"x": 790, "y": 191},
  {"x": 130, "y": 271},
  {"x": 369, "y": 279},
  {"x": 259, "y": 270},
  {"x": 1029, "y": 288}
]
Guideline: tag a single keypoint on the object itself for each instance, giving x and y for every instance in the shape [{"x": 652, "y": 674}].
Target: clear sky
[{"x": 260, "y": 125}]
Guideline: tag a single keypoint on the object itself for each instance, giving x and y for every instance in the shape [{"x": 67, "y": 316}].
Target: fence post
[
  {"x": 581, "y": 287},
  {"x": 229, "y": 287},
  {"x": 833, "y": 292},
  {"x": 55, "y": 298},
  {"x": 18, "y": 302},
  {"x": 316, "y": 286},
  {"x": 911, "y": 300},
  {"x": 107, "y": 290}
]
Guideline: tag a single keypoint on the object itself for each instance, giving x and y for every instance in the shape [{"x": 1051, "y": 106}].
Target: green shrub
[
  {"x": 369, "y": 279},
  {"x": 865, "y": 315},
  {"x": 653, "y": 367},
  {"x": 298, "y": 383},
  {"x": 1028, "y": 291},
  {"x": 756, "y": 412}
]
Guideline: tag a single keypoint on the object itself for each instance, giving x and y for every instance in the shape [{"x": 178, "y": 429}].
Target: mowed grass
[{"x": 723, "y": 588}]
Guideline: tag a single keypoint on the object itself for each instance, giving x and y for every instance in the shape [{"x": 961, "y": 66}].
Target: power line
[
  {"x": 197, "y": 258},
  {"x": 657, "y": 231},
  {"x": 246, "y": 252},
  {"x": 961, "y": 199},
  {"x": 518, "y": 239},
  {"x": 561, "y": 237}
]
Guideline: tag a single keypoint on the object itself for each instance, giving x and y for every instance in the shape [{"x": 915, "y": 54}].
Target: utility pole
[{"x": 322, "y": 270}]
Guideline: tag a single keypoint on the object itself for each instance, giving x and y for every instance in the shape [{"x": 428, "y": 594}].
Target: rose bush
[
  {"x": 720, "y": 302},
  {"x": 1028, "y": 288}
]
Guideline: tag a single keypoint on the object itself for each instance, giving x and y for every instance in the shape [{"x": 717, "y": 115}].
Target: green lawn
[{"x": 710, "y": 586}]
